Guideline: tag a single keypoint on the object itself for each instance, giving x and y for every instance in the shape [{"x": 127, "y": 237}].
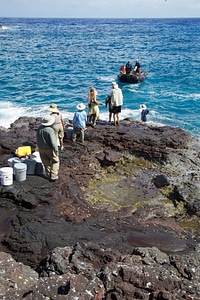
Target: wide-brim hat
[
  {"x": 48, "y": 120},
  {"x": 143, "y": 106},
  {"x": 114, "y": 84},
  {"x": 53, "y": 108},
  {"x": 80, "y": 106}
]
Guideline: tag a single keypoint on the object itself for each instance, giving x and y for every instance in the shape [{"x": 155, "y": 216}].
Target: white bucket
[
  {"x": 20, "y": 171},
  {"x": 6, "y": 175},
  {"x": 12, "y": 161}
]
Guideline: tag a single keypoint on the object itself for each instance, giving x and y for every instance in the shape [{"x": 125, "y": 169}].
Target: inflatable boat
[{"x": 132, "y": 77}]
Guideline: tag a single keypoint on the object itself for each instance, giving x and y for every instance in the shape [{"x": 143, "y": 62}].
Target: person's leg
[
  {"x": 44, "y": 155},
  {"x": 110, "y": 116},
  {"x": 61, "y": 136},
  {"x": 61, "y": 143},
  {"x": 55, "y": 163},
  {"x": 89, "y": 118},
  {"x": 82, "y": 134},
  {"x": 96, "y": 114},
  {"x": 74, "y": 134},
  {"x": 93, "y": 118},
  {"x": 115, "y": 119}
]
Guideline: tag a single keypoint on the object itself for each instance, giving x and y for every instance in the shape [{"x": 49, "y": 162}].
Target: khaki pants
[
  {"x": 78, "y": 131},
  {"x": 51, "y": 162}
]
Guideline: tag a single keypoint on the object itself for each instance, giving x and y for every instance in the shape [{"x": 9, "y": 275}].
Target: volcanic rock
[{"x": 122, "y": 221}]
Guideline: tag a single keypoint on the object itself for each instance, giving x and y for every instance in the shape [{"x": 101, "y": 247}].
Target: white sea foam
[
  {"x": 108, "y": 78},
  {"x": 11, "y": 112}
]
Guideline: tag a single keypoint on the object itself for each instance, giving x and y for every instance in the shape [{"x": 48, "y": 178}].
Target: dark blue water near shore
[{"x": 47, "y": 61}]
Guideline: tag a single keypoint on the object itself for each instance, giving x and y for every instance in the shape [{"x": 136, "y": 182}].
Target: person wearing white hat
[
  {"x": 58, "y": 125},
  {"x": 116, "y": 102},
  {"x": 144, "y": 112},
  {"x": 137, "y": 66},
  {"x": 79, "y": 122},
  {"x": 48, "y": 147}
]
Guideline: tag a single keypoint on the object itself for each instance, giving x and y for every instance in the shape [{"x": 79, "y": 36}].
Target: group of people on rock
[
  {"x": 52, "y": 126},
  {"x": 128, "y": 68}
]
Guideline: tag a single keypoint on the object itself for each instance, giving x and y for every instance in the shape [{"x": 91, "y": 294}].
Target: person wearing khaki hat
[
  {"x": 58, "y": 125},
  {"x": 48, "y": 147}
]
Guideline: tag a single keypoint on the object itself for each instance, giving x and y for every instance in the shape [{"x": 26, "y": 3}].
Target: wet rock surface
[{"x": 122, "y": 221}]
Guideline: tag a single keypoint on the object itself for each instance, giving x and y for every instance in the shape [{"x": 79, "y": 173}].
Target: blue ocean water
[{"x": 46, "y": 61}]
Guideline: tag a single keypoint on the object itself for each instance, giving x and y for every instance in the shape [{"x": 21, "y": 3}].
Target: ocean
[{"x": 45, "y": 61}]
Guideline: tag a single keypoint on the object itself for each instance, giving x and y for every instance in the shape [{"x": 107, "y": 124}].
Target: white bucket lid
[
  {"x": 6, "y": 170},
  {"x": 20, "y": 166}
]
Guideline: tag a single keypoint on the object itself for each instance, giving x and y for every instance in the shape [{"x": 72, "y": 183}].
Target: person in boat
[
  {"x": 137, "y": 66},
  {"x": 144, "y": 112},
  {"x": 128, "y": 67},
  {"x": 116, "y": 102},
  {"x": 123, "y": 69}
]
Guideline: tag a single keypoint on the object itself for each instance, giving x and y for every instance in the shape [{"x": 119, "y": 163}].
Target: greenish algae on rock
[{"x": 127, "y": 184}]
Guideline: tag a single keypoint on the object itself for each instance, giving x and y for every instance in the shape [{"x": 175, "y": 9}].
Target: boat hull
[{"x": 132, "y": 78}]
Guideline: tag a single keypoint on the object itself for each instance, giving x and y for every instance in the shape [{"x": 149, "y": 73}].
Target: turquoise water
[{"x": 46, "y": 61}]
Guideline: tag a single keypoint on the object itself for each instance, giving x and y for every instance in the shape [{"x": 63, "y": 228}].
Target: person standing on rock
[
  {"x": 116, "y": 102},
  {"x": 144, "y": 112},
  {"x": 108, "y": 104},
  {"x": 58, "y": 125},
  {"x": 93, "y": 106},
  {"x": 79, "y": 122},
  {"x": 48, "y": 147}
]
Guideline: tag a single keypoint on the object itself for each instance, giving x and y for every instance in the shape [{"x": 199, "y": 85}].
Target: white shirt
[{"x": 116, "y": 97}]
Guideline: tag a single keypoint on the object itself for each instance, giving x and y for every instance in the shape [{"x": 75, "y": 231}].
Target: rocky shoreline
[{"x": 122, "y": 222}]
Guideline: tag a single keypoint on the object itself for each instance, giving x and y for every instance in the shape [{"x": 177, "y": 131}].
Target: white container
[
  {"x": 36, "y": 156},
  {"x": 12, "y": 161},
  {"x": 20, "y": 171},
  {"x": 6, "y": 175}
]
